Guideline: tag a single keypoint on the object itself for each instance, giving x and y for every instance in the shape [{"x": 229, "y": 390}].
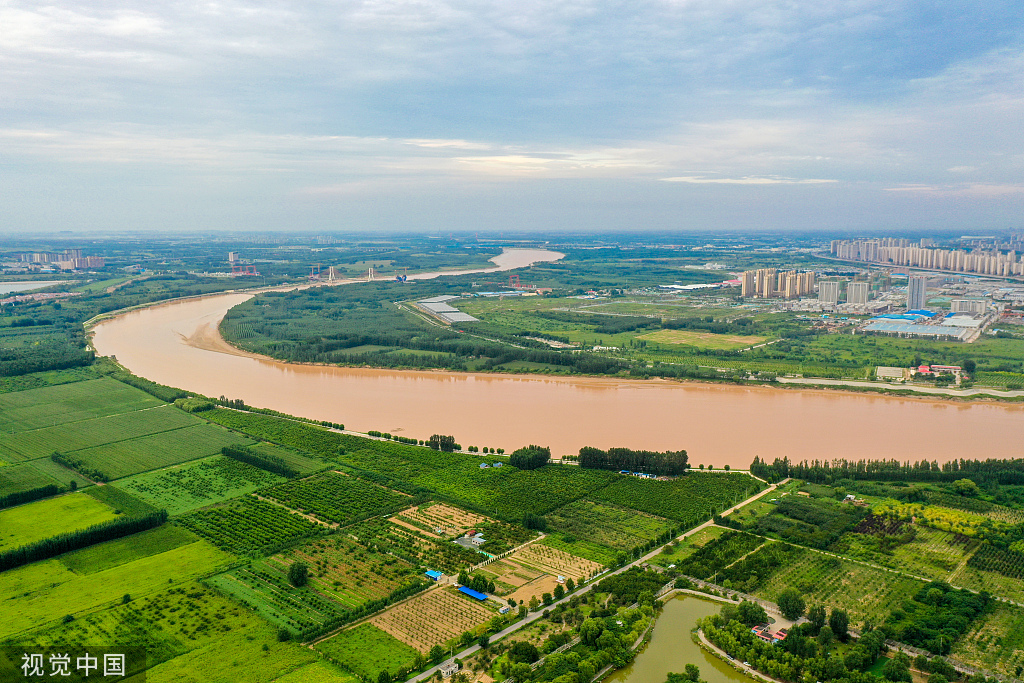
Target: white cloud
[{"x": 749, "y": 180}]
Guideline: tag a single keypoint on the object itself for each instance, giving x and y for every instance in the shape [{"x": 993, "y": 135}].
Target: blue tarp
[
  {"x": 434, "y": 574},
  {"x": 472, "y": 593}
]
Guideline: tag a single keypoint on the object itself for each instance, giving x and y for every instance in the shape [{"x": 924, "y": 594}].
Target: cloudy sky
[{"x": 531, "y": 114}]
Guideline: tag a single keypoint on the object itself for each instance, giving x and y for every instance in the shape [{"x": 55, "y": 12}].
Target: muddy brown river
[{"x": 177, "y": 344}]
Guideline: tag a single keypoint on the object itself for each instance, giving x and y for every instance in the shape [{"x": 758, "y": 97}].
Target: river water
[
  {"x": 178, "y": 344},
  {"x": 671, "y": 648}
]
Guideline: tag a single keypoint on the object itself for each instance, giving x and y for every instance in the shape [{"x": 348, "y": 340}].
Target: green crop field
[
  {"x": 123, "y": 550},
  {"x": 507, "y": 492},
  {"x": 38, "y": 380},
  {"x": 932, "y": 554},
  {"x": 608, "y": 525},
  {"x": 688, "y": 546},
  {"x": 320, "y": 672},
  {"x": 864, "y": 592},
  {"x": 43, "y": 592},
  {"x": 413, "y": 546},
  {"x": 581, "y": 548},
  {"x": 995, "y": 641},
  {"x": 267, "y": 592},
  {"x": 348, "y": 572},
  {"x": 14, "y": 478},
  {"x": 251, "y": 655},
  {"x": 183, "y": 488},
  {"x": 366, "y": 651},
  {"x": 45, "y": 518},
  {"x": 56, "y": 472},
  {"x": 67, "y": 437},
  {"x": 337, "y": 497},
  {"x": 690, "y": 499},
  {"x": 247, "y": 526},
  {"x": 303, "y": 464},
  {"x": 125, "y": 458},
  {"x": 167, "y": 623},
  {"x": 62, "y": 403}
]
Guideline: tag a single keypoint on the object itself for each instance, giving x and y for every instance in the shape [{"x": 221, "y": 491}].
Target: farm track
[{"x": 960, "y": 567}]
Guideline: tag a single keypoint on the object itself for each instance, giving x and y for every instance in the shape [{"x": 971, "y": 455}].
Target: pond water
[
  {"x": 27, "y": 285},
  {"x": 671, "y": 648}
]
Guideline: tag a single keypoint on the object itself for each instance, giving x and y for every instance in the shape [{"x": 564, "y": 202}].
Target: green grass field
[
  {"x": 192, "y": 485},
  {"x": 609, "y": 525},
  {"x": 864, "y": 592},
  {"x": 366, "y": 651},
  {"x": 63, "y": 403},
  {"x": 126, "y": 458},
  {"x": 114, "y": 553},
  {"x": 45, "y": 518},
  {"x": 69, "y": 437},
  {"x": 43, "y": 592},
  {"x": 701, "y": 339},
  {"x": 57, "y": 472}
]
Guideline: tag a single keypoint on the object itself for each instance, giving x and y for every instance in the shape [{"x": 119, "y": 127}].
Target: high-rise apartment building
[
  {"x": 858, "y": 292},
  {"x": 766, "y": 283},
  {"x": 828, "y": 291},
  {"x": 916, "y": 289}
]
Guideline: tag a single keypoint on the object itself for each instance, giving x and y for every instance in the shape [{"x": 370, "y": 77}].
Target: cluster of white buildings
[
  {"x": 70, "y": 259},
  {"x": 767, "y": 283},
  {"x": 901, "y": 252}
]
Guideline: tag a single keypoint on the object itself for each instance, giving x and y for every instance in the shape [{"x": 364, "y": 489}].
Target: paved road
[
  {"x": 938, "y": 391},
  {"x": 530, "y": 618}
]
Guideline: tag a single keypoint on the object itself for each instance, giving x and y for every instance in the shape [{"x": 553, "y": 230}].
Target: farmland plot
[
  {"x": 414, "y": 546},
  {"x": 347, "y": 572},
  {"x": 433, "y": 618},
  {"x": 45, "y": 518},
  {"x": 186, "y": 487},
  {"x": 688, "y": 499},
  {"x": 440, "y": 519},
  {"x": 247, "y": 526},
  {"x": 14, "y": 478},
  {"x": 556, "y": 562},
  {"x": 864, "y": 592},
  {"x": 995, "y": 641},
  {"x": 608, "y": 525},
  {"x": 53, "y": 405},
  {"x": 366, "y": 651},
  {"x": 338, "y": 498},
  {"x": 146, "y": 453},
  {"x": 67, "y": 437}
]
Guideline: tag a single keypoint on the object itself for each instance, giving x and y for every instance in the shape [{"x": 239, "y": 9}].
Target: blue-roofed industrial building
[
  {"x": 434, "y": 574},
  {"x": 472, "y": 593}
]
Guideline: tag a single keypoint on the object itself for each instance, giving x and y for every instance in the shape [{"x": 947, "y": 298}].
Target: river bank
[{"x": 178, "y": 344}]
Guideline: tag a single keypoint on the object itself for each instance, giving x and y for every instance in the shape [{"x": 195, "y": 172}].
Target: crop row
[
  {"x": 248, "y": 526},
  {"x": 337, "y": 497}
]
